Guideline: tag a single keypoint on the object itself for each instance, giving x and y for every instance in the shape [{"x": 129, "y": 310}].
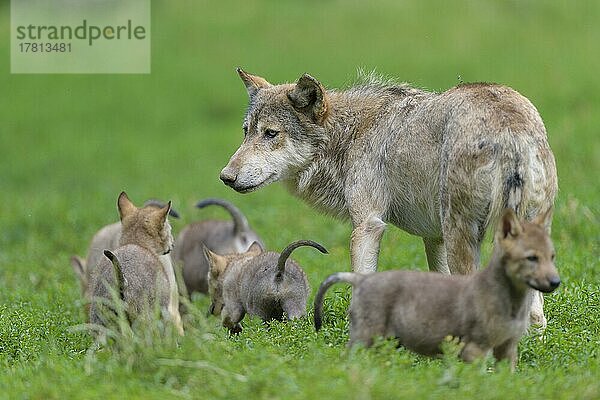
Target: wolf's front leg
[{"x": 364, "y": 244}]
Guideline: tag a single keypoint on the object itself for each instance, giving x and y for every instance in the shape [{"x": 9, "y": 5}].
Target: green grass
[{"x": 70, "y": 143}]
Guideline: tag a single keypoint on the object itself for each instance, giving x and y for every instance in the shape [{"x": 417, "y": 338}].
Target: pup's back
[
  {"x": 144, "y": 283},
  {"x": 220, "y": 237},
  {"x": 268, "y": 297}
]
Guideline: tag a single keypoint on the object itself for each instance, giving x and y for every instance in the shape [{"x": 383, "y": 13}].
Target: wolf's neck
[
  {"x": 499, "y": 283},
  {"x": 348, "y": 126}
]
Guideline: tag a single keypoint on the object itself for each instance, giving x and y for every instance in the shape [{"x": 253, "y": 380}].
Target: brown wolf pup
[
  {"x": 265, "y": 284},
  {"x": 140, "y": 269},
  {"x": 487, "y": 310},
  {"x": 221, "y": 237},
  {"x": 438, "y": 165},
  {"x": 106, "y": 238}
]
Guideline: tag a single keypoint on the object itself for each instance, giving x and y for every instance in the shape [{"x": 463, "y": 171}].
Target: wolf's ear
[
  {"x": 165, "y": 211},
  {"x": 544, "y": 219},
  {"x": 125, "y": 205},
  {"x": 255, "y": 248},
  {"x": 310, "y": 97},
  {"x": 253, "y": 83},
  {"x": 216, "y": 263},
  {"x": 509, "y": 225}
]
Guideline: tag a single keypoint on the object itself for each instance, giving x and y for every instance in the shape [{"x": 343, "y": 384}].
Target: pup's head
[
  {"x": 527, "y": 251},
  {"x": 217, "y": 268},
  {"x": 147, "y": 227},
  {"x": 283, "y": 129}
]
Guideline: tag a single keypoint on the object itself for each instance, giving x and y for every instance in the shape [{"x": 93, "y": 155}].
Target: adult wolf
[{"x": 442, "y": 166}]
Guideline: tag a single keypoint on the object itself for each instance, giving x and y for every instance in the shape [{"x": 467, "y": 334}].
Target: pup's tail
[
  {"x": 118, "y": 273},
  {"x": 291, "y": 247},
  {"x": 352, "y": 278},
  {"x": 160, "y": 204},
  {"x": 240, "y": 223}
]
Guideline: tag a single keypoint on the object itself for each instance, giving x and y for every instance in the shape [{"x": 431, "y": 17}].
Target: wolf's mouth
[
  {"x": 541, "y": 288},
  {"x": 247, "y": 189}
]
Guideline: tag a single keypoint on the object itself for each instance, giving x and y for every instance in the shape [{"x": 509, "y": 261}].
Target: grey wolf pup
[
  {"x": 106, "y": 238},
  {"x": 265, "y": 284},
  {"x": 140, "y": 269},
  {"x": 441, "y": 166},
  {"x": 487, "y": 310},
  {"x": 221, "y": 237}
]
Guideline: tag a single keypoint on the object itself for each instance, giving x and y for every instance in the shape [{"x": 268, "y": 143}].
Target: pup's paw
[{"x": 236, "y": 329}]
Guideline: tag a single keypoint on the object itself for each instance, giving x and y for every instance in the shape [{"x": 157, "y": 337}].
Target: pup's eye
[
  {"x": 533, "y": 258},
  {"x": 271, "y": 133},
  {"x": 553, "y": 256}
]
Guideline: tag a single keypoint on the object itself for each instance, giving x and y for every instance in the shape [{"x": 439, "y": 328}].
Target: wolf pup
[
  {"x": 442, "y": 166},
  {"x": 488, "y": 310},
  {"x": 221, "y": 237},
  {"x": 140, "y": 269},
  {"x": 106, "y": 238},
  {"x": 265, "y": 284}
]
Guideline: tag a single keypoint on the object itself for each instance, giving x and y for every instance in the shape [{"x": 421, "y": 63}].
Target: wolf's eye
[
  {"x": 271, "y": 133},
  {"x": 245, "y": 128},
  {"x": 553, "y": 256},
  {"x": 533, "y": 258}
]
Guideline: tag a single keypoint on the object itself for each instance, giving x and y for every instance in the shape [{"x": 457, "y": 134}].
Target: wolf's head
[
  {"x": 147, "y": 227},
  {"x": 218, "y": 265},
  {"x": 283, "y": 128},
  {"x": 527, "y": 251}
]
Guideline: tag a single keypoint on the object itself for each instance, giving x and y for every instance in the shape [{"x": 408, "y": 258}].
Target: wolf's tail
[
  {"x": 291, "y": 247},
  {"x": 352, "y": 278},
  {"x": 118, "y": 273},
  {"x": 240, "y": 223}
]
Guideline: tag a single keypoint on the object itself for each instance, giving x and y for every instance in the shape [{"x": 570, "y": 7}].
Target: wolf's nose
[
  {"x": 554, "y": 282},
  {"x": 228, "y": 177}
]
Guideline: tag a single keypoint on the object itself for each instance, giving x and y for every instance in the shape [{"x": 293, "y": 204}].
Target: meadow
[{"x": 70, "y": 143}]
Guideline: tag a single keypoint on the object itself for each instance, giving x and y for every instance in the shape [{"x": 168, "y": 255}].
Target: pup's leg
[
  {"x": 436, "y": 255},
  {"x": 536, "y": 315},
  {"x": 507, "y": 351},
  {"x": 364, "y": 244},
  {"x": 472, "y": 352},
  {"x": 231, "y": 315},
  {"x": 294, "y": 308}
]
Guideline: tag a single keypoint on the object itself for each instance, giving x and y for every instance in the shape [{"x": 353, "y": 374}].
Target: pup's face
[
  {"x": 218, "y": 266},
  {"x": 148, "y": 225},
  {"x": 528, "y": 252},
  {"x": 282, "y": 130}
]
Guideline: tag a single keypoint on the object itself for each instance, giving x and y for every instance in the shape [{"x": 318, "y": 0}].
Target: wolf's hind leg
[{"x": 436, "y": 255}]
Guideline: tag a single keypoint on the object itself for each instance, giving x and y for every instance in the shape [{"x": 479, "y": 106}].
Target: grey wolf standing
[
  {"x": 487, "y": 310},
  {"x": 438, "y": 165}
]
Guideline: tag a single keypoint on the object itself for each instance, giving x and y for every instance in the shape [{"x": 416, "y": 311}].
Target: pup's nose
[
  {"x": 228, "y": 176},
  {"x": 554, "y": 282}
]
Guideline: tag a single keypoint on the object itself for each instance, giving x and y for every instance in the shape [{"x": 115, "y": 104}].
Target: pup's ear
[
  {"x": 253, "y": 82},
  {"x": 509, "y": 225},
  {"x": 544, "y": 219},
  {"x": 216, "y": 263},
  {"x": 126, "y": 207},
  {"x": 78, "y": 266},
  {"x": 255, "y": 248},
  {"x": 310, "y": 97},
  {"x": 165, "y": 211}
]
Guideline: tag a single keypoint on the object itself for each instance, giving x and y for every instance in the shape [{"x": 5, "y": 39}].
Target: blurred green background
[{"x": 70, "y": 143}]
